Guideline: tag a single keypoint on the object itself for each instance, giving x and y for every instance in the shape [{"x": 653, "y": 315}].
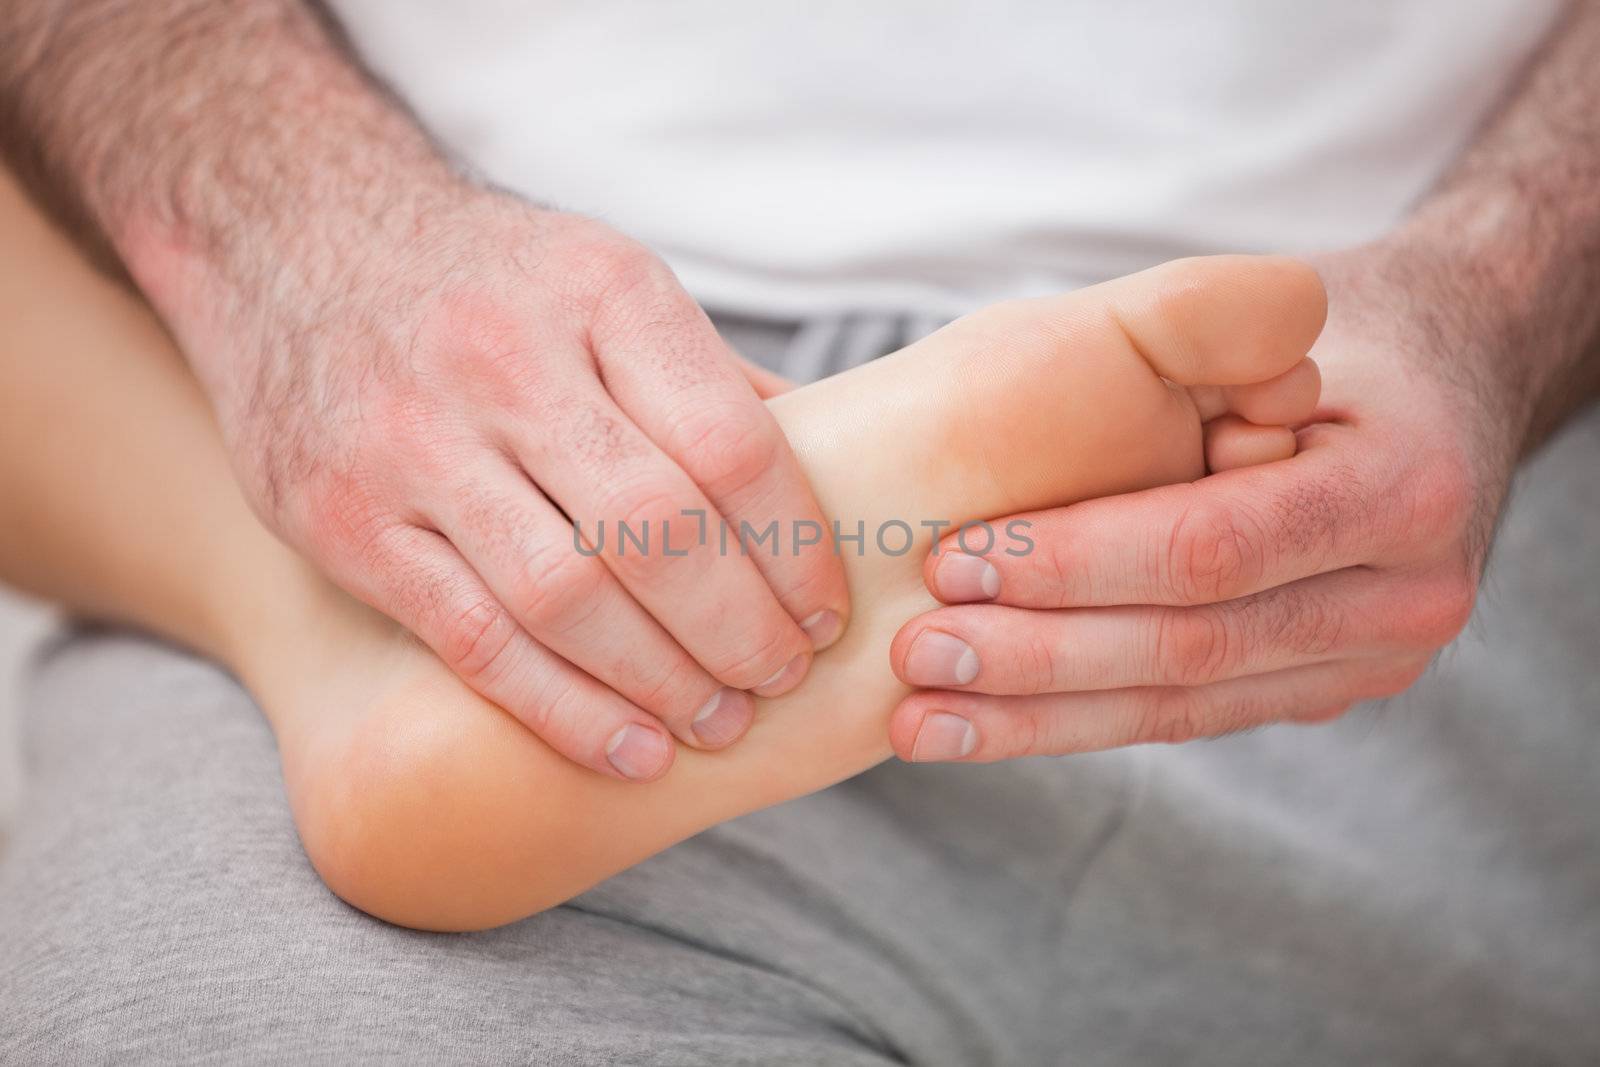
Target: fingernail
[
  {"x": 938, "y": 658},
  {"x": 638, "y": 752},
  {"x": 785, "y": 679},
  {"x": 963, "y": 578},
  {"x": 943, "y": 736},
  {"x": 723, "y": 718},
  {"x": 823, "y": 628}
]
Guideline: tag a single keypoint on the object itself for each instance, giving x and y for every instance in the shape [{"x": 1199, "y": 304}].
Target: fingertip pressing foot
[
  {"x": 723, "y": 718},
  {"x": 639, "y": 753}
]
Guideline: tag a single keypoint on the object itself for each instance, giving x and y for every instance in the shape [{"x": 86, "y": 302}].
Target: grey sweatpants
[{"x": 1419, "y": 883}]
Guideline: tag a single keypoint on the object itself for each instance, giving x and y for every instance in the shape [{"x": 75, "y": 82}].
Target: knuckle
[
  {"x": 1213, "y": 554},
  {"x": 1059, "y": 570},
  {"x": 728, "y": 450},
  {"x": 556, "y": 590},
  {"x": 1170, "y": 715},
  {"x": 1300, "y": 621},
  {"x": 556, "y": 710},
  {"x": 476, "y": 636},
  {"x": 640, "y": 518},
  {"x": 404, "y": 424},
  {"x": 664, "y": 692},
  {"x": 1443, "y": 611},
  {"x": 345, "y": 529},
  {"x": 611, "y": 269},
  {"x": 1443, "y": 502},
  {"x": 1321, "y": 715},
  {"x": 1027, "y": 736},
  {"x": 815, "y": 581},
  {"x": 1319, "y": 625},
  {"x": 346, "y": 517},
  {"x": 1395, "y": 678},
  {"x": 1194, "y": 645},
  {"x": 1035, "y": 664},
  {"x": 465, "y": 337},
  {"x": 642, "y": 508},
  {"x": 751, "y": 664}
]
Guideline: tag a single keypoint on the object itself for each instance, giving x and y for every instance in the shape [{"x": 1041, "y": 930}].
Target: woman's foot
[{"x": 423, "y": 804}]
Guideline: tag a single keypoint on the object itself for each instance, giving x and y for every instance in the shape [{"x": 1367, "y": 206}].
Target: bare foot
[{"x": 423, "y": 804}]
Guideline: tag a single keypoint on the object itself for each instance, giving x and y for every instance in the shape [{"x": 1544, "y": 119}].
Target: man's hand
[
  {"x": 425, "y": 384},
  {"x": 1290, "y": 590},
  {"x": 431, "y": 427}
]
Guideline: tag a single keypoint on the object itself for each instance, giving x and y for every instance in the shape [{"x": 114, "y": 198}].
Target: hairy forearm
[
  {"x": 214, "y": 129},
  {"x": 1506, "y": 250}
]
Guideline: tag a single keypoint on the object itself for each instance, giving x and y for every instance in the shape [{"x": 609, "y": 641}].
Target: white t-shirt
[{"x": 796, "y": 157}]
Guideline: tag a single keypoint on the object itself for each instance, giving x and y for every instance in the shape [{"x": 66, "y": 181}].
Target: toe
[
  {"x": 1287, "y": 400},
  {"x": 1221, "y": 320}
]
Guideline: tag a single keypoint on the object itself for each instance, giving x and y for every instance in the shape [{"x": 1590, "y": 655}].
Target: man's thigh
[{"x": 155, "y": 905}]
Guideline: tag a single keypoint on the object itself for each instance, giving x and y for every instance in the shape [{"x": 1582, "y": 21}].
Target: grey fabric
[
  {"x": 22, "y": 624},
  {"x": 1419, "y": 883}
]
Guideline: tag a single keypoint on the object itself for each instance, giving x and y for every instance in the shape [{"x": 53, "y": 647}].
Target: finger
[
  {"x": 936, "y": 726},
  {"x": 678, "y": 380},
  {"x": 1231, "y": 443},
  {"x": 1226, "y": 536},
  {"x": 650, "y": 525},
  {"x": 416, "y": 577},
  {"x": 1348, "y": 614},
  {"x": 570, "y": 603}
]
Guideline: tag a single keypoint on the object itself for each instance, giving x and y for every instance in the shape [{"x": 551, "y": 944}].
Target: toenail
[
  {"x": 785, "y": 679},
  {"x": 723, "y": 718},
  {"x": 943, "y": 736},
  {"x": 938, "y": 658},
  {"x": 638, "y": 752},
  {"x": 823, "y": 628},
  {"x": 963, "y": 578}
]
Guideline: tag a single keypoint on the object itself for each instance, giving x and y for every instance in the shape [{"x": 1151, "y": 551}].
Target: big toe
[
  {"x": 1222, "y": 320},
  {"x": 1287, "y": 400}
]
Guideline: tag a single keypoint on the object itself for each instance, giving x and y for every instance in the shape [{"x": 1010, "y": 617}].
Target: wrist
[
  {"x": 228, "y": 225},
  {"x": 1484, "y": 317},
  {"x": 211, "y": 147},
  {"x": 1506, "y": 276}
]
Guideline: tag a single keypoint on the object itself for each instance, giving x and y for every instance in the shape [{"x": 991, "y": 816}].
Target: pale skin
[{"x": 426, "y": 805}]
